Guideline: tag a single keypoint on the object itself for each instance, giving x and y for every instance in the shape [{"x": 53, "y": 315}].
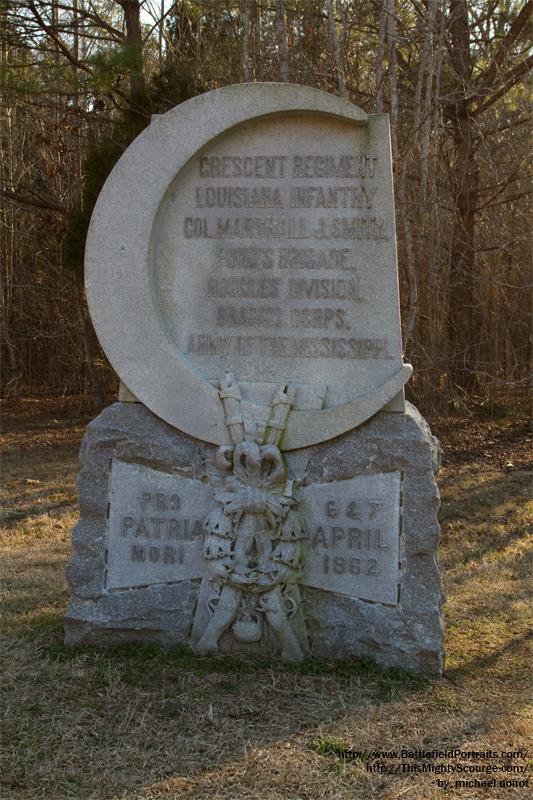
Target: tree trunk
[
  {"x": 380, "y": 53},
  {"x": 336, "y": 47},
  {"x": 393, "y": 77},
  {"x": 283, "y": 47},
  {"x": 463, "y": 318},
  {"x": 463, "y": 323},
  {"x": 93, "y": 371},
  {"x": 132, "y": 19},
  {"x": 246, "y": 27}
]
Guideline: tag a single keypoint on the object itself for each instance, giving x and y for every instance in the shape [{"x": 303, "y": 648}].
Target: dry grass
[{"x": 133, "y": 722}]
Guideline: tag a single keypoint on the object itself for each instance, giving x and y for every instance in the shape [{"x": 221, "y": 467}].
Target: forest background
[{"x": 81, "y": 78}]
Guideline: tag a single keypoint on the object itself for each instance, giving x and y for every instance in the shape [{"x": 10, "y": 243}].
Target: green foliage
[
  {"x": 108, "y": 65},
  {"x": 492, "y": 409},
  {"x": 328, "y": 745},
  {"x": 173, "y": 85}
]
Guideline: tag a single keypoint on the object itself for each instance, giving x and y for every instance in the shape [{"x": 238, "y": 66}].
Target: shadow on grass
[
  {"x": 12, "y": 518},
  {"x": 16, "y": 419},
  {"x": 490, "y": 606},
  {"x": 61, "y": 456},
  {"x": 130, "y": 662},
  {"x": 258, "y": 703},
  {"x": 479, "y": 506},
  {"x": 480, "y": 664}
]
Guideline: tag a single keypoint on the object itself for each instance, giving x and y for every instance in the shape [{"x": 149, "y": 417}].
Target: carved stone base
[{"x": 368, "y": 498}]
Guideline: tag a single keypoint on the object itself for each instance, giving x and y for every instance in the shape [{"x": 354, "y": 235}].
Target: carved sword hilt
[
  {"x": 281, "y": 405},
  {"x": 230, "y": 394}
]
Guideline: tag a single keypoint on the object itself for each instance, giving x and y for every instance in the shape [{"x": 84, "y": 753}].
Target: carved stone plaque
[
  {"x": 292, "y": 243},
  {"x": 258, "y": 239},
  {"x": 155, "y": 526},
  {"x": 354, "y": 528},
  {"x": 155, "y": 531}
]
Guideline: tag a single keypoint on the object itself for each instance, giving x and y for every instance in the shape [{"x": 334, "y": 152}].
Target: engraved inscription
[
  {"x": 238, "y": 286},
  {"x": 161, "y": 527},
  {"x": 328, "y": 166},
  {"x": 155, "y": 554},
  {"x": 238, "y": 197},
  {"x": 260, "y": 258},
  {"x": 156, "y": 531},
  {"x": 331, "y": 197},
  {"x": 275, "y": 166},
  {"x": 318, "y": 318},
  {"x": 155, "y": 526},
  {"x": 323, "y": 289},
  {"x": 283, "y": 228},
  {"x": 265, "y": 241},
  {"x": 248, "y": 316},
  {"x": 289, "y": 347},
  {"x": 242, "y": 166},
  {"x": 286, "y": 315},
  {"x": 313, "y": 259},
  {"x": 354, "y": 529}
]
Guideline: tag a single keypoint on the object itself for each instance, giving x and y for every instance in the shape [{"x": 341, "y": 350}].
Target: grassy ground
[{"x": 133, "y": 722}]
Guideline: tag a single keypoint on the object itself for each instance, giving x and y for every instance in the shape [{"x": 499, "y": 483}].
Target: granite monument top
[{"x": 251, "y": 230}]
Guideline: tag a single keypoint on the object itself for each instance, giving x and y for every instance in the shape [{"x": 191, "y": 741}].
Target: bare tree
[
  {"x": 282, "y": 42},
  {"x": 336, "y": 47},
  {"x": 450, "y": 73},
  {"x": 246, "y": 30}
]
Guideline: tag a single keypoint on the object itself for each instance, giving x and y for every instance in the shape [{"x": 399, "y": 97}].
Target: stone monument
[{"x": 261, "y": 486}]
